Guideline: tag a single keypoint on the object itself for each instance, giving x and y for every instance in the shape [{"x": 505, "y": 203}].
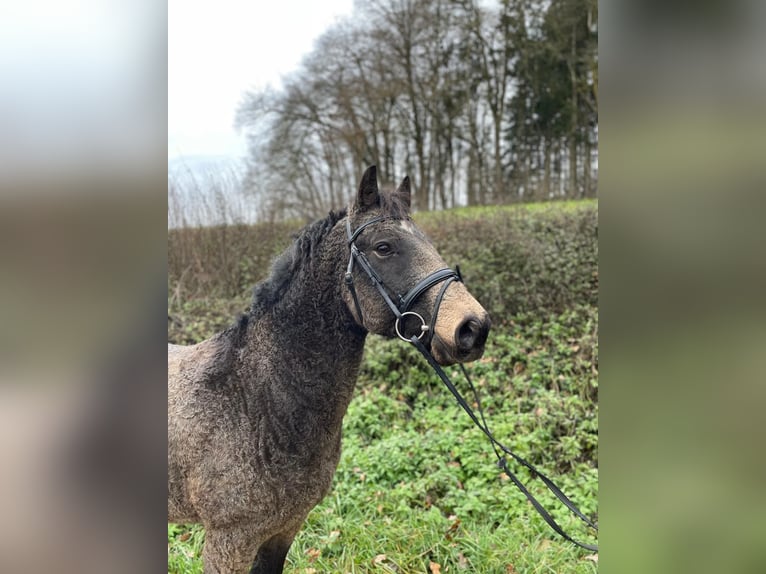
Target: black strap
[
  {"x": 405, "y": 301},
  {"x": 438, "y": 302},
  {"x": 352, "y": 236},
  {"x": 501, "y": 462},
  {"x": 424, "y": 285},
  {"x": 377, "y": 282},
  {"x": 350, "y": 285}
]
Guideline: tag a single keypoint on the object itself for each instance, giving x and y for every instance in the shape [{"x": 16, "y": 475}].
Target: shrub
[{"x": 519, "y": 261}]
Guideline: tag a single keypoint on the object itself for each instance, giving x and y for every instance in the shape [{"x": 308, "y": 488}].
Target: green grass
[
  {"x": 407, "y": 543},
  {"x": 488, "y": 211},
  {"x": 185, "y": 548},
  {"x": 417, "y": 482}
]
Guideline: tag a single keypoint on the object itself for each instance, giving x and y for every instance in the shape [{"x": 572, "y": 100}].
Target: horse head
[{"x": 400, "y": 285}]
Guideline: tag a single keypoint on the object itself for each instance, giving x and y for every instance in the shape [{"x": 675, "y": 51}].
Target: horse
[{"x": 255, "y": 412}]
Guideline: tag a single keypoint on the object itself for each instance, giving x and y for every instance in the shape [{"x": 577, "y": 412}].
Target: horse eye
[{"x": 383, "y": 248}]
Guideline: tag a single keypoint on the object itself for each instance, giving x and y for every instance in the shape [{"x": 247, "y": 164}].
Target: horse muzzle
[{"x": 465, "y": 343}]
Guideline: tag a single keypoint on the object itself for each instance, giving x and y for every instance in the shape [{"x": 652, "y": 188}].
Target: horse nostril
[{"x": 470, "y": 334}]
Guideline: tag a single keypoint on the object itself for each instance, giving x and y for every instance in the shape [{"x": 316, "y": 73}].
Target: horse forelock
[{"x": 393, "y": 206}]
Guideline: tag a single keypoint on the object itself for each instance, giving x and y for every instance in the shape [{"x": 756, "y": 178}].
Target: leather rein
[{"x": 402, "y": 310}]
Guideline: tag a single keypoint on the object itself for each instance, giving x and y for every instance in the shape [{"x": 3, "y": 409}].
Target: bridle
[{"x": 401, "y": 309}]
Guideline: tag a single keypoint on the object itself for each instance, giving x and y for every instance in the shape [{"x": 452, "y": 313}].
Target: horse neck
[{"x": 307, "y": 346}]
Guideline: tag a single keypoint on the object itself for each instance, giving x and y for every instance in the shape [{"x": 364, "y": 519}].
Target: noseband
[{"x": 406, "y": 301}]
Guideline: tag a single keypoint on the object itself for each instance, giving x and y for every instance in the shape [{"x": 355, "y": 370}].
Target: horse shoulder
[{"x": 207, "y": 437}]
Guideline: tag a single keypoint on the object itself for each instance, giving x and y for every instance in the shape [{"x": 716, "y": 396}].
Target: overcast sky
[{"x": 217, "y": 50}]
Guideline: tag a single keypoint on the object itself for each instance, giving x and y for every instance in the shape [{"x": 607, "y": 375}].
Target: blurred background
[
  {"x": 682, "y": 272},
  {"x": 82, "y": 252}
]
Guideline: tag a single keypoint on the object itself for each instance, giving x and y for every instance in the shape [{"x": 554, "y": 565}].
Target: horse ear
[
  {"x": 368, "y": 195},
  {"x": 403, "y": 191}
]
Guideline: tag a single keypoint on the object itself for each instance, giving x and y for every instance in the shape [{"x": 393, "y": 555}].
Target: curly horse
[{"x": 255, "y": 412}]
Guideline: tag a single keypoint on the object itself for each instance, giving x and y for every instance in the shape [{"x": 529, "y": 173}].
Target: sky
[{"x": 219, "y": 50}]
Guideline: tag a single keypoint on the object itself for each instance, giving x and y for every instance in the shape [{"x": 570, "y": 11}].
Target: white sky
[{"x": 219, "y": 49}]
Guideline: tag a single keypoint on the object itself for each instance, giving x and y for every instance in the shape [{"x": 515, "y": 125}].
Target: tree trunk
[
  {"x": 546, "y": 187},
  {"x": 499, "y": 188},
  {"x": 572, "y": 191},
  {"x": 586, "y": 169}
]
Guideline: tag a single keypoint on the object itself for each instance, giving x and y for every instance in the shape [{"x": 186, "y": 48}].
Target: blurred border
[
  {"x": 682, "y": 124},
  {"x": 83, "y": 116}
]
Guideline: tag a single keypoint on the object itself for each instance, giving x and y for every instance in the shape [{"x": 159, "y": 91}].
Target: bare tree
[{"x": 479, "y": 103}]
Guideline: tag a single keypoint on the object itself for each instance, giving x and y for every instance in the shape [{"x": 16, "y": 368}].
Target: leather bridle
[{"x": 400, "y": 309}]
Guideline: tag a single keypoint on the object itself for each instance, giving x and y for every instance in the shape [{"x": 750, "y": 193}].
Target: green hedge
[
  {"x": 516, "y": 260},
  {"x": 520, "y": 260}
]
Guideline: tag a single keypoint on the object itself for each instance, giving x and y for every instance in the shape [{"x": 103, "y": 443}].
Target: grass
[
  {"x": 485, "y": 211},
  {"x": 415, "y": 543},
  {"x": 417, "y": 483},
  {"x": 417, "y": 488}
]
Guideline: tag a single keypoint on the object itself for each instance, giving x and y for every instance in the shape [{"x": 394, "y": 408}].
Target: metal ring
[{"x": 423, "y": 326}]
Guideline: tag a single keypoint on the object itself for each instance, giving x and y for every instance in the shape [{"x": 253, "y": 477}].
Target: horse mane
[
  {"x": 285, "y": 267},
  {"x": 283, "y": 270}
]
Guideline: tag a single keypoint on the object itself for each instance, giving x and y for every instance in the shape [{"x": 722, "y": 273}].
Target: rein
[
  {"x": 497, "y": 446},
  {"x": 400, "y": 311}
]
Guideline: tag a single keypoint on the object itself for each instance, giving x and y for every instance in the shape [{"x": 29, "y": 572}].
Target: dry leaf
[
  {"x": 184, "y": 537},
  {"x": 510, "y": 569},
  {"x": 544, "y": 545},
  {"x": 379, "y": 558},
  {"x": 453, "y": 527},
  {"x": 313, "y": 554},
  {"x": 434, "y": 568},
  {"x": 593, "y": 557},
  {"x": 462, "y": 561}
]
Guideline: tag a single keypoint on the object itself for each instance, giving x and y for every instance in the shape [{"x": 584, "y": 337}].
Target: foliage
[
  {"x": 523, "y": 261},
  {"x": 417, "y": 488},
  {"x": 222, "y": 261},
  {"x": 533, "y": 258},
  {"x": 196, "y": 319}
]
